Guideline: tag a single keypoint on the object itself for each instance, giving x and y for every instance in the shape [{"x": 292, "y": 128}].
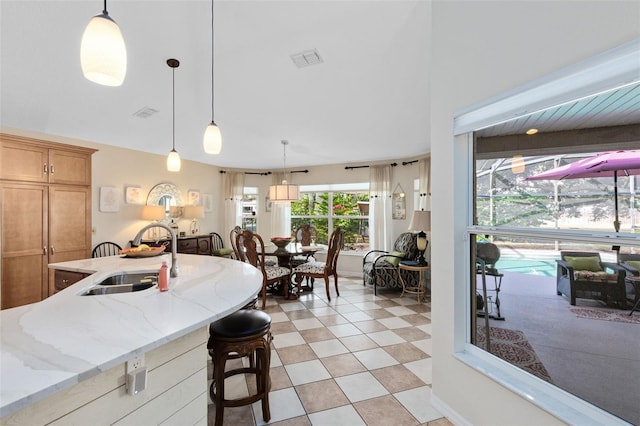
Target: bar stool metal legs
[{"x": 245, "y": 333}]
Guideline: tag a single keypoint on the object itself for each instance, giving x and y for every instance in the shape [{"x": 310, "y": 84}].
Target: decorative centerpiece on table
[{"x": 281, "y": 243}]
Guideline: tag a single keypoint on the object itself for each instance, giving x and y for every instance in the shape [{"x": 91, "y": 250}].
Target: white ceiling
[{"x": 367, "y": 101}]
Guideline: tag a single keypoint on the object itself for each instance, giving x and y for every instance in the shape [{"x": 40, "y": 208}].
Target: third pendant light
[
  {"x": 212, "y": 138},
  {"x": 173, "y": 160}
]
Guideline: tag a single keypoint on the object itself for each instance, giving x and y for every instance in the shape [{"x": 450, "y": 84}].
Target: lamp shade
[
  {"x": 212, "y": 139},
  {"x": 173, "y": 161},
  {"x": 194, "y": 212},
  {"x": 153, "y": 212},
  {"x": 420, "y": 221},
  {"x": 103, "y": 54},
  {"x": 284, "y": 192}
]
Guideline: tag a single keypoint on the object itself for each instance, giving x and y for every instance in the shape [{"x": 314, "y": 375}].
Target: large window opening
[
  {"x": 329, "y": 208},
  {"x": 551, "y": 287}
]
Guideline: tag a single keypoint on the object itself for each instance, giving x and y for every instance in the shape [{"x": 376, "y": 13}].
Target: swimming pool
[{"x": 528, "y": 266}]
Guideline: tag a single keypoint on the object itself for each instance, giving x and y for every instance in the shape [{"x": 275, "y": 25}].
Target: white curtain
[
  {"x": 233, "y": 190},
  {"x": 424, "y": 183},
  {"x": 280, "y": 213},
  {"x": 380, "y": 237}
]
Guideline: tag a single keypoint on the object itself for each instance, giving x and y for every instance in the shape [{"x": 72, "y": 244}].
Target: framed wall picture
[
  {"x": 109, "y": 199},
  {"x": 133, "y": 195},
  {"x": 193, "y": 197},
  {"x": 267, "y": 204}
]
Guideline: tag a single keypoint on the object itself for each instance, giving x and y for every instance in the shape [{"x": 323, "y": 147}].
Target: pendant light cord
[
  {"x": 105, "y": 8},
  {"x": 173, "y": 70},
  {"x": 212, "y": 50}
]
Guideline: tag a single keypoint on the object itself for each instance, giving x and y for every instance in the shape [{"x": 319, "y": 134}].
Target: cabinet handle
[
  {"x": 44, "y": 249},
  {"x": 65, "y": 282},
  {"x": 53, "y": 250},
  {"x": 51, "y": 167},
  {"x": 45, "y": 169}
]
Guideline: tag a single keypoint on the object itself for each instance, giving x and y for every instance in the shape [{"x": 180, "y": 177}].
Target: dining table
[{"x": 285, "y": 256}]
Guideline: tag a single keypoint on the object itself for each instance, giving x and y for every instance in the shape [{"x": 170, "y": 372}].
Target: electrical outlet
[
  {"x": 93, "y": 229},
  {"x": 135, "y": 363}
]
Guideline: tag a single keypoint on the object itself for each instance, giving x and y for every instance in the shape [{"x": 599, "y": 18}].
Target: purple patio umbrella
[{"x": 604, "y": 164}]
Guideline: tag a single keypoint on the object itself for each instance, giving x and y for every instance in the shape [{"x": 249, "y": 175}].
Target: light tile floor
[{"x": 359, "y": 359}]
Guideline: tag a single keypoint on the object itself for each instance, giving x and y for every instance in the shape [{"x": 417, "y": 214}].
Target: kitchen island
[{"x": 63, "y": 359}]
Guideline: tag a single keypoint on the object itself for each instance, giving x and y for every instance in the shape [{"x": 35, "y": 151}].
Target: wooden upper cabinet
[
  {"x": 71, "y": 168},
  {"x": 21, "y": 162},
  {"x": 31, "y": 160}
]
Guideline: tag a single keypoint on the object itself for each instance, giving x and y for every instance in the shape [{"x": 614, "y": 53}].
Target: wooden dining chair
[
  {"x": 106, "y": 248},
  {"x": 233, "y": 235},
  {"x": 252, "y": 246},
  {"x": 314, "y": 269}
]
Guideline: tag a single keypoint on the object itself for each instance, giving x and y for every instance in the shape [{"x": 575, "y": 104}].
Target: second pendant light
[{"x": 173, "y": 160}]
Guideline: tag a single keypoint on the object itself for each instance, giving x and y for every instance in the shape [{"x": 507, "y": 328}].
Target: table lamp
[
  {"x": 153, "y": 214},
  {"x": 421, "y": 221},
  {"x": 196, "y": 212}
]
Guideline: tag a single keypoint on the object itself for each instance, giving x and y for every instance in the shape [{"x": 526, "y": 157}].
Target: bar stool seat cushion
[{"x": 242, "y": 323}]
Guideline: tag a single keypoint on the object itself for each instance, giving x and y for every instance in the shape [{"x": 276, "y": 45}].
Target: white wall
[{"x": 481, "y": 49}]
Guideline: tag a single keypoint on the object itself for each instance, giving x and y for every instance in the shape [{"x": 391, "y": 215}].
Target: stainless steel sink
[
  {"x": 121, "y": 288},
  {"x": 123, "y": 283},
  {"x": 120, "y": 279}
]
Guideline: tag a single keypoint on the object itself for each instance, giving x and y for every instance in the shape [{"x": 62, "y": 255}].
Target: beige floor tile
[
  {"x": 370, "y": 326},
  {"x": 232, "y": 415},
  {"x": 411, "y": 334},
  {"x": 397, "y": 378},
  {"x": 358, "y": 343},
  {"x": 333, "y": 320},
  {"x": 383, "y": 411},
  {"x": 440, "y": 422},
  {"x": 319, "y": 396},
  {"x": 300, "y": 314},
  {"x": 416, "y": 319},
  {"x": 342, "y": 365},
  {"x": 316, "y": 335},
  {"x": 296, "y": 421},
  {"x": 379, "y": 313},
  {"x": 298, "y": 353},
  {"x": 282, "y": 327},
  {"x": 405, "y": 352},
  {"x": 386, "y": 303}
]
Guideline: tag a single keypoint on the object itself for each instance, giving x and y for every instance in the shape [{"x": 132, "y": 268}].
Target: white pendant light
[
  {"x": 212, "y": 137},
  {"x": 284, "y": 191},
  {"x": 173, "y": 160},
  {"x": 103, "y": 55}
]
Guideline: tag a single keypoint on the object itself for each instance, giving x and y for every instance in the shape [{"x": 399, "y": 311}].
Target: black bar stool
[{"x": 246, "y": 332}]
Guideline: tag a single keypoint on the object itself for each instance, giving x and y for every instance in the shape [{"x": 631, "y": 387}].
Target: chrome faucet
[{"x": 174, "y": 244}]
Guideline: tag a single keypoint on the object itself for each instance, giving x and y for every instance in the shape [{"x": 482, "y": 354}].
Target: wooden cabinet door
[
  {"x": 23, "y": 162},
  {"x": 64, "y": 279},
  {"x": 23, "y": 210},
  {"x": 68, "y": 167},
  {"x": 69, "y": 223}
]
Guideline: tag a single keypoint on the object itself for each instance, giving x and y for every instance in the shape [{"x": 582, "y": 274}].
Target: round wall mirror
[{"x": 166, "y": 195}]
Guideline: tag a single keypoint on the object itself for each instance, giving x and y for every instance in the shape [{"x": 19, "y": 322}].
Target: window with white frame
[
  {"x": 330, "y": 206},
  {"x": 250, "y": 209}
]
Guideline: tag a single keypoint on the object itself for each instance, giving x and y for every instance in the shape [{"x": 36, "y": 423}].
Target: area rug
[
  {"x": 602, "y": 314},
  {"x": 513, "y": 347}
]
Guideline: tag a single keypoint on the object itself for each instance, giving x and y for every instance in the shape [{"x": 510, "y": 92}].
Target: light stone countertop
[{"x": 67, "y": 338}]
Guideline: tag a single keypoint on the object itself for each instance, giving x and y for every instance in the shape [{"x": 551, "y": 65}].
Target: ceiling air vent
[
  {"x": 306, "y": 58},
  {"x": 145, "y": 112}
]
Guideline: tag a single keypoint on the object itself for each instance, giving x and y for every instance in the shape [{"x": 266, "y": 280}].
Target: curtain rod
[
  {"x": 362, "y": 167},
  {"x": 251, "y": 173},
  {"x": 405, "y": 163},
  {"x": 268, "y": 173}
]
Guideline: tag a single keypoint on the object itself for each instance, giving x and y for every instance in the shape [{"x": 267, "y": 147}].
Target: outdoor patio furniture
[
  {"x": 583, "y": 275},
  {"x": 380, "y": 268},
  {"x": 631, "y": 263}
]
